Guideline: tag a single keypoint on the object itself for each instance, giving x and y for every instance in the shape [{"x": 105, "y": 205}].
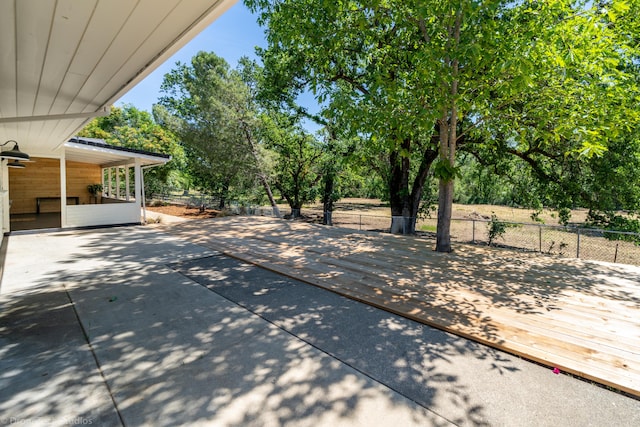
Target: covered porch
[
  {"x": 64, "y": 63},
  {"x": 54, "y": 193}
]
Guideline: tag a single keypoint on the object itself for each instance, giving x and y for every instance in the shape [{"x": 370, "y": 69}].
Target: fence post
[
  {"x": 578, "y": 249},
  {"x": 360, "y": 223},
  {"x": 540, "y": 238},
  {"x": 615, "y": 256},
  {"x": 473, "y": 231}
]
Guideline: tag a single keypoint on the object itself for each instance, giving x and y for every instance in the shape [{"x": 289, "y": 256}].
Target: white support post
[
  {"x": 127, "y": 184},
  {"x": 4, "y": 196},
  {"x": 109, "y": 187},
  {"x": 137, "y": 181},
  {"x": 63, "y": 189},
  {"x": 118, "y": 182}
]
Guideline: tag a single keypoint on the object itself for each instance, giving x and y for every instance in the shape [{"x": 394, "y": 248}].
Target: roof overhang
[
  {"x": 63, "y": 62},
  {"x": 95, "y": 151}
]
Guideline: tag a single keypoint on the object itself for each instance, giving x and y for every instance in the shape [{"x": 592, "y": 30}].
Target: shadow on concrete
[
  {"x": 48, "y": 375},
  {"x": 174, "y": 353},
  {"x": 560, "y": 312},
  {"x": 244, "y": 346},
  {"x": 406, "y": 356}
]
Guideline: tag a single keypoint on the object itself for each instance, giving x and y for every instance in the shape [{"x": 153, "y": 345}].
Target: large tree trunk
[
  {"x": 272, "y": 200},
  {"x": 405, "y": 203},
  {"x": 445, "y": 208},
  {"x": 327, "y": 198},
  {"x": 399, "y": 189},
  {"x": 445, "y": 193},
  {"x": 448, "y": 139}
]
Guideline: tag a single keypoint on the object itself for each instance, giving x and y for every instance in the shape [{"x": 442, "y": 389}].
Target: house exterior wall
[
  {"x": 42, "y": 179},
  {"x": 51, "y": 178},
  {"x": 39, "y": 179},
  {"x": 103, "y": 214},
  {"x": 79, "y": 176}
]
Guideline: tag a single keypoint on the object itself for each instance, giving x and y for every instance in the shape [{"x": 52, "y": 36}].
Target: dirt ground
[
  {"x": 376, "y": 207},
  {"x": 505, "y": 213},
  {"x": 374, "y": 215},
  {"x": 184, "y": 212}
]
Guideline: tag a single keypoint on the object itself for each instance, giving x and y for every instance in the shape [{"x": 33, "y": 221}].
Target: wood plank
[
  {"x": 357, "y": 261},
  {"x": 371, "y": 260},
  {"x": 333, "y": 262}
]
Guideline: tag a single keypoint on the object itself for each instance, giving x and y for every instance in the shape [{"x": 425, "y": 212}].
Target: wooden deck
[{"x": 582, "y": 317}]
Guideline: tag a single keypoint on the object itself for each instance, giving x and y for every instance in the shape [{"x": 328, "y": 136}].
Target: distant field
[
  {"x": 505, "y": 213},
  {"x": 470, "y": 225}
]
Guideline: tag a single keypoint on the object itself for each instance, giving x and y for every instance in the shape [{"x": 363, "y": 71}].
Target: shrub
[{"x": 497, "y": 228}]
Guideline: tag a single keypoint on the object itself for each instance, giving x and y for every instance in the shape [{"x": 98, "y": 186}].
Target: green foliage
[
  {"x": 535, "y": 216},
  {"x": 212, "y": 109},
  {"x": 445, "y": 171},
  {"x": 94, "y": 189},
  {"x": 616, "y": 222},
  {"x": 497, "y": 228},
  {"x": 549, "y": 83},
  {"x": 478, "y": 184},
  {"x": 564, "y": 215},
  {"x": 132, "y": 128},
  {"x": 297, "y": 156}
]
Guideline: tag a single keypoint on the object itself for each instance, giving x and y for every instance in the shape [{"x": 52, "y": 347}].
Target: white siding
[{"x": 103, "y": 214}]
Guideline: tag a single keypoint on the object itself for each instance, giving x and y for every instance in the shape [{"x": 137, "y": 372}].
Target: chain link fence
[{"x": 574, "y": 242}]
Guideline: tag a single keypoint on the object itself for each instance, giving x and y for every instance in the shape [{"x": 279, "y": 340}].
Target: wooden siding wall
[
  {"x": 79, "y": 175},
  {"x": 42, "y": 179}
]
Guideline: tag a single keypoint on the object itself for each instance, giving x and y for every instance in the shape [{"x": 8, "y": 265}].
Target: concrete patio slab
[
  {"x": 48, "y": 375},
  {"x": 466, "y": 382},
  {"x": 167, "y": 350},
  {"x": 132, "y": 326}
]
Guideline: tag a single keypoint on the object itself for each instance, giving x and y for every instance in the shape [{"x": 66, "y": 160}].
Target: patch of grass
[{"x": 426, "y": 227}]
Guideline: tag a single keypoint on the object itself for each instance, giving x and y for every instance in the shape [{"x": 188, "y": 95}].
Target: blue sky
[{"x": 233, "y": 35}]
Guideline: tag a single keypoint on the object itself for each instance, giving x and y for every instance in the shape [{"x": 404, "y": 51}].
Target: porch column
[
  {"x": 118, "y": 170},
  {"x": 127, "y": 183},
  {"x": 63, "y": 189},
  {"x": 109, "y": 188},
  {"x": 104, "y": 181},
  {"x": 138, "y": 181}
]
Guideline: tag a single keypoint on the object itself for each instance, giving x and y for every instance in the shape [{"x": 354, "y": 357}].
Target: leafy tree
[
  {"x": 479, "y": 184},
  {"x": 574, "y": 125},
  {"x": 424, "y": 78},
  {"x": 297, "y": 156},
  {"x": 277, "y": 91},
  {"x": 331, "y": 59},
  {"x": 133, "y": 128},
  {"x": 216, "y": 119}
]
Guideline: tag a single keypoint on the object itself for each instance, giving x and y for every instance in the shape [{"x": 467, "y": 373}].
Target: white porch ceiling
[{"x": 62, "y": 59}]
